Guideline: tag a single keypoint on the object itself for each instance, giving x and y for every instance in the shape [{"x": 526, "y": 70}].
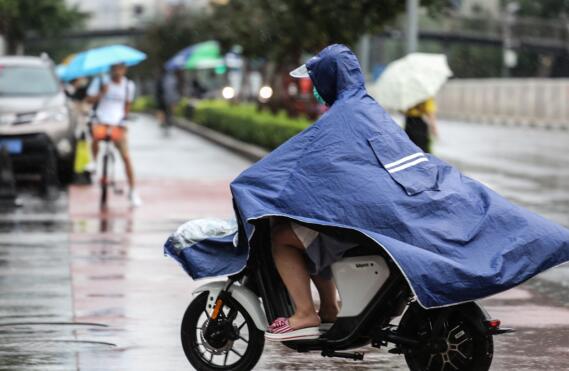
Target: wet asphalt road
[{"x": 85, "y": 290}]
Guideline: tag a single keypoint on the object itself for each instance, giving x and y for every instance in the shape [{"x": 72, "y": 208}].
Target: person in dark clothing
[
  {"x": 421, "y": 124},
  {"x": 198, "y": 90},
  {"x": 167, "y": 95},
  {"x": 76, "y": 90}
]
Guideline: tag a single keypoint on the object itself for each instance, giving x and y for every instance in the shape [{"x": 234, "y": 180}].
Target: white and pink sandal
[{"x": 280, "y": 330}]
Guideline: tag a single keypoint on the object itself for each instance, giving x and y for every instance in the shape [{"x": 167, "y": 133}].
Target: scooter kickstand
[{"x": 356, "y": 356}]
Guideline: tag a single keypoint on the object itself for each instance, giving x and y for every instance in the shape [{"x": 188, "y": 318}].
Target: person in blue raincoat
[{"x": 355, "y": 169}]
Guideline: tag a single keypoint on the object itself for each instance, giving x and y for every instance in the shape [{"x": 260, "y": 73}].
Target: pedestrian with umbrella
[
  {"x": 202, "y": 55},
  {"x": 170, "y": 84},
  {"x": 111, "y": 96},
  {"x": 409, "y": 85},
  {"x": 421, "y": 124}
]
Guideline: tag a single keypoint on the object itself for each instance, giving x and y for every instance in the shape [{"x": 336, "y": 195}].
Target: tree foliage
[
  {"x": 277, "y": 30},
  {"x": 163, "y": 39},
  {"x": 549, "y": 9},
  {"x": 46, "y": 17},
  {"x": 282, "y": 29}
]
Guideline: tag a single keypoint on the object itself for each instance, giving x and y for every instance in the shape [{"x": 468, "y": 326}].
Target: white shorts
[
  {"x": 304, "y": 234},
  {"x": 322, "y": 250}
]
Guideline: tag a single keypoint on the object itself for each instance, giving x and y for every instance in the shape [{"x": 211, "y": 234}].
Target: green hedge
[
  {"x": 241, "y": 121},
  {"x": 143, "y": 103},
  {"x": 246, "y": 123},
  {"x": 146, "y": 103}
]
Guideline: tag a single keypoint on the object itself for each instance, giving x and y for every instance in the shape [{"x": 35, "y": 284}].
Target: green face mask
[{"x": 319, "y": 99}]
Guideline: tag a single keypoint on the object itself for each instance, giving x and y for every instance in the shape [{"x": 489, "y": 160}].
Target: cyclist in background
[{"x": 112, "y": 98}]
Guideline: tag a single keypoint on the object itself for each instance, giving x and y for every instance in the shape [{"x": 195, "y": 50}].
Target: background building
[
  {"x": 120, "y": 14},
  {"x": 473, "y": 8}
]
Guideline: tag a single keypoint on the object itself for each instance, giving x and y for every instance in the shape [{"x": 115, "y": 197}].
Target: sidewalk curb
[{"x": 249, "y": 151}]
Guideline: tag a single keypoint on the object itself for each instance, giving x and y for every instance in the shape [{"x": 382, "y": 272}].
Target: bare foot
[{"x": 298, "y": 321}]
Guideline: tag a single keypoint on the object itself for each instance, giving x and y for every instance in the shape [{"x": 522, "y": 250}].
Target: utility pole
[
  {"x": 363, "y": 54},
  {"x": 412, "y": 25},
  {"x": 509, "y": 56}
]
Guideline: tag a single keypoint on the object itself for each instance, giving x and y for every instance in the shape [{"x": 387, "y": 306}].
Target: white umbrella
[{"x": 411, "y": 80}]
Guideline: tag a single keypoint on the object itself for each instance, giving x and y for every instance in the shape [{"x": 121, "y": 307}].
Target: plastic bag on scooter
[{"x": 206, "y": 248}]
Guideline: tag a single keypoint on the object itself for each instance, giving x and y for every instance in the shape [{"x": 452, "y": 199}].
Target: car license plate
[{"x": 14, "y": 146}]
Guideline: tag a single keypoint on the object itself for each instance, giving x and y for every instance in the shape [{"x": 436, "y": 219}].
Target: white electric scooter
[{"x": 223, "y": 327}]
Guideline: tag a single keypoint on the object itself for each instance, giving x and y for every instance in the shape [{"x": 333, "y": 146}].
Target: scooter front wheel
[{"x": 230, "y": 342}]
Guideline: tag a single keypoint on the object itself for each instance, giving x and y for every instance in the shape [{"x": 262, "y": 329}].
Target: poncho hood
[{"x": 335, "y": 70}]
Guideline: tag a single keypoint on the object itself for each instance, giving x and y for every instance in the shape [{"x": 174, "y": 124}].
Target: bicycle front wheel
[{"x": 105, "y": 181}]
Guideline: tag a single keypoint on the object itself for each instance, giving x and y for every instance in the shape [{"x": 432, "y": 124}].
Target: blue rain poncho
[{"x": 454, "y": 239}]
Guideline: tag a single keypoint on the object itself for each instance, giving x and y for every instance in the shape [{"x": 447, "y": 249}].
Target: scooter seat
[{"x": 362, "y": 250}]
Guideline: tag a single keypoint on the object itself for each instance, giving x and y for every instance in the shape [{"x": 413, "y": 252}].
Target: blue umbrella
[
  {"x": 60, "y": 70},
  {"x": 99, "y": 60},
  {"x": 179, "y": 60}
]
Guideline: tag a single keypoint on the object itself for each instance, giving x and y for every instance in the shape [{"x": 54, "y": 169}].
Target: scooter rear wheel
[
  {"x": 234, "y": 345},
  {"x": 462, "y": 344}
]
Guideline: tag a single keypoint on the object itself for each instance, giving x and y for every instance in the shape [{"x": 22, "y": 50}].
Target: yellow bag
[{"x": 82, "y": 156}]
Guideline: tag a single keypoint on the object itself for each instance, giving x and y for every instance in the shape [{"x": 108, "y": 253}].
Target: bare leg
[
  {"x": 160, "y": 117},
  {"x": 123, "y": 150},
  {"x": 95, "y": 148},
  {"x": 170, "y": 114},
  {"x": 288, "y": 254},
  {"x": 329, "y": 307},
  {"x": 129, "y": 171}
]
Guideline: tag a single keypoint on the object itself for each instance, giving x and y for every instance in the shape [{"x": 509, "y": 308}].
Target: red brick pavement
[{"x": 120, "y": 277}]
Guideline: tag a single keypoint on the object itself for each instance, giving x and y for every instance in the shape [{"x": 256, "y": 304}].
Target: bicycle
[{"x": 107, "y": 134}]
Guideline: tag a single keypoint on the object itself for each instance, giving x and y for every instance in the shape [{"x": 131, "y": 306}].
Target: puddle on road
[
  {"x": 278, "y": 357},
  {"x": 556, "y": 292},
  {"x": 530, "y": 350},
  {"x": 103, "y": 224},
  {"x": 110, "y": 277},
  {"x": 26, "y": 345},
  {"x": 105, "y": 295},
  {"x": 24, "y": 226},
  {"x": 526, "y": 350},
  {"x": 70, "y": 345},
  {"x": 121, "y": 225}
]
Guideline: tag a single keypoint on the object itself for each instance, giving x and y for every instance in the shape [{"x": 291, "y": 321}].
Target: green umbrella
[
  {"x": 197, "y": 56},
  {"x": 204, "y": 55}
]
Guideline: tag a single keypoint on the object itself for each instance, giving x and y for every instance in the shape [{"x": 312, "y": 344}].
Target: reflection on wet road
[
  {"x": 528, "y": 166},
  {"x": 88, "y": 290},
  {"x": 37, "y": 329}
]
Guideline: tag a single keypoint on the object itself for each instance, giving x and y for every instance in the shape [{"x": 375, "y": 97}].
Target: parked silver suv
[{"x": 37, "y": 124}]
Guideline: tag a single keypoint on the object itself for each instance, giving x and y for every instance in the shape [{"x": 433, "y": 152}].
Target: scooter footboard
[{"x": 245, "y": 297}]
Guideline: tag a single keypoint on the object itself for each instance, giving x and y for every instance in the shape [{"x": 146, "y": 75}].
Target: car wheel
[{"x": 66, "y": 170}]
